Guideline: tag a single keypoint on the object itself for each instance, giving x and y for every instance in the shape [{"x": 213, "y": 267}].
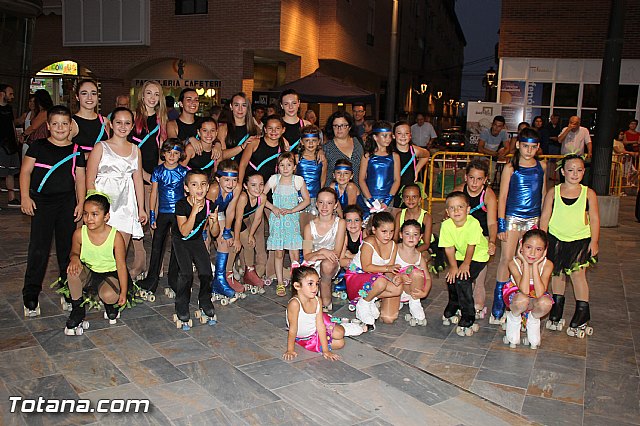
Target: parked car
[{"x": 451, "y": 139}]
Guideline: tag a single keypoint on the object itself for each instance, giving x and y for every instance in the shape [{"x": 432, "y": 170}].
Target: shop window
[
  {"x": 624, "y": 117},
  {"x": 566, "y": 95},
  {"x": 627, "y": 96},
  {"x": 565, "y": 114},
  {"x": 531, "y": 112},
  {"x": 590, "y": 95},
  {"x": 588, "y": 119},
  {"x": 539, "y": 93},
  {"x": 192, "y": 7}
]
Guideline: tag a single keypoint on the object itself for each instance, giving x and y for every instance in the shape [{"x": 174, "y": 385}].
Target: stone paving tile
[
  {"x": 7, "y": 418},
  {"x": 16, "y": 338},
  {"x": 614, "y": 358},
  {"x": 26, "y": 363},
  {"x": 218, "y": 416},
  {"x": 417, "y": 359},
  {"x": 152, "y": 372},
  {"x": 551, "y": 412},
  {"x": 330, "y": 372},
  {"x": 276, "y": 413},
  {"x": 612, "y": 395},
  {"x": 471, "y": 411},
  {"x": 181, "y": 398},
  {"x": 155, "y": 329},
  {"x": 456, "y": 374},
  {"x": 89, "y": 370},
  {"x": 506, "y": 396},
  {"x": 121, "y": 345},
  {"x": 230, "y": 345},
  {"x": 183, "y": 351},
  {"x": 275, "y": 373},
  {"x": 54, "y": 342}
]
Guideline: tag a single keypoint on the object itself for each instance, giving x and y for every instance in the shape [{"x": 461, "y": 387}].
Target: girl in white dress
[{"x": 115, "y": 169}]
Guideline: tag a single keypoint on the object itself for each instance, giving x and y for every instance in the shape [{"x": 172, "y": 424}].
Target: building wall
[{"x": 567, "y": 29}]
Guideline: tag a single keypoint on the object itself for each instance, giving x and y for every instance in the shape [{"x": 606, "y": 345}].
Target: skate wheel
[
  {"x": 407, "y": 317},
  {"x": 460, "y": 331},
  {"x": 548, "y": 324},
  {"x": 343, "y": 296},
  {"x": 503, "y": 326},
  {"x": 178, "y": 324},
  {"x": 224, "y": 302},
  {"x": 79, "y": 331},
  {"x": 589, "y": 331},
  {"x": 475, "y": 327},
  {"x": 413, "y": 322},
  {"x": 446, "y": 321},
  {"x": 423, "y": 322},
  {"x": 262, "y": 291},
  {"x": 505, "y": 340},
  {"x": 152, "y": 298},
  {"x": 267, "y": 281},
  {"x": 166, "y": 291},
  {"x": 190, "y": 322},
  {"x": 352, "y": 308},
  {"x": 455, "y": 319},
  {"x": 581, "y": 334},
  {"x": 254, "y": 290},
  {"x": 468, "y": 331},
  {"x": 175, "y": 318},
  {"x": 534, "y": 347},
  {"x": 335, "y": 294},
  {"x": 247, "y": 287},
  {"x": 203, "y": 320},
  {"x": 197, "y": 314}
]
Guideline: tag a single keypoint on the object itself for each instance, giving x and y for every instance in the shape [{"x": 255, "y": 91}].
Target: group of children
[{"x": 255, "y": 195}]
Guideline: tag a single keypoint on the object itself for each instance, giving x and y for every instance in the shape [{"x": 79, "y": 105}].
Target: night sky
[{"x": 480, "y": 21}]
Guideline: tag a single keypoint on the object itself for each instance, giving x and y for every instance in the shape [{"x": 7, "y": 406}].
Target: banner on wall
[{"x": 480, "y": 116}]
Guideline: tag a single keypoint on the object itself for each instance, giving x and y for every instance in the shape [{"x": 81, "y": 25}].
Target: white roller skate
[
  {"x": 111, "y": 313},
  {"x": 404, "y": 300},
  {"x": 353, "y": 328},
  {"x": 76, "y": 324},
  {"x": 146, "y": 295},
  {"x": 66, "y": 306},
  {"x": 579, "y": 325},
  {"x": 31, "y": 309},
  {"x": 416, "y": 315},
  {"x": 169, "y": 293},
  {"x": 467, "y": 331},
  {"x": 512, "y": 337},
  {"x": 533, "y": 332},
  {"x": 497, "y": 321},
  {"x": 185, "y": 324},
  {"x": 364, "y": 312}
]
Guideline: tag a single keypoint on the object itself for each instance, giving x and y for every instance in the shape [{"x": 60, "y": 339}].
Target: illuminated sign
[
  {"x": 62, "y": 67},
  {"x": 205, "y": 84}
]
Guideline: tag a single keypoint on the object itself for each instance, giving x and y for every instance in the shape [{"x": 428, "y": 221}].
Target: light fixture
[
  {"x": 423, "y": 87},
  {"x": 450, "y": 101},
  {"x": 461, "y": 104},
  {"x": 200, "y": 91},
  {"x": 439, "y": 95}
]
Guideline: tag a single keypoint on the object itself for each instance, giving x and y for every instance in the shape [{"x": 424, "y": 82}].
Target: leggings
[
  {"x": 54, "y": 214},
  {"x": 188, "y": 253},
  {"x": 164, "y": 223}
]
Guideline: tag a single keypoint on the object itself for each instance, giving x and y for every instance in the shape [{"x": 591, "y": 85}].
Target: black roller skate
[
  {"x": 452, "y": 311},
  {"x": 31, "y": 308},
  {"x": 147, "y": 289},
  {"x": 111, "y": 313},
  {"x": 183, "y": 321},
  {"x": 555, "y": 321},
  {"x": 76, "y": 323},
  {"x": 579, "y": 326},
  {"x": 207, "y": 313}
]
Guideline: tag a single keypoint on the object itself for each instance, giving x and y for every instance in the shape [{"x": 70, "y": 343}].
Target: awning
[{"x": 321, "y": 88}]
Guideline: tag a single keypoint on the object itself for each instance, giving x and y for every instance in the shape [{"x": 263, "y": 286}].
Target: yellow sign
[{"x": 62, "y": 67}]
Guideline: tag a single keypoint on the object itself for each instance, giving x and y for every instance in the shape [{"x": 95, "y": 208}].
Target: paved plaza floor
[{"x": 232, "y": 373}]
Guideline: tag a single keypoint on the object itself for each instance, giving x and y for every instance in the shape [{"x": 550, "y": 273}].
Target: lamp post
[
  {"x": 393, "y": 65},
  {"x": 489, "y": 82}
]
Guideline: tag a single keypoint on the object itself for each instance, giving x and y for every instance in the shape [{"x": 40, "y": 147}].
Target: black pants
[
  {"x": 164, "y": 223},
  {"x": 53, "y": 214},
  {"x": 190, "y": 253},
  {"x": 461, "y": 295}
]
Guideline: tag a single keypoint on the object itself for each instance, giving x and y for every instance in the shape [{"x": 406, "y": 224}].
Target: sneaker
[{"x": 14, "y": 203}]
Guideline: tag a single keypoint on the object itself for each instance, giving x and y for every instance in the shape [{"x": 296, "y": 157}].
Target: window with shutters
[
  {"x": 192, "y": 7},
  {"x": 105, "y": 22}
]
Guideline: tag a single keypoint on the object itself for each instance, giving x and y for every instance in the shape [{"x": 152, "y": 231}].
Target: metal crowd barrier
[{"x": 447, "y": 169}]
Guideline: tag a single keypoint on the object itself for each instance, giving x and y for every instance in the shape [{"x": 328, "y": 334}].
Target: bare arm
[
  {"x": 92, "y": 166},
  {"x": 293, "y": 309},
  {"x": 138, "y": 185},
  {"x": 396, "y": 175},
  {"x": 81, "y": 192},
  {"x": 594, "y": 222},
  {"x": 483, "y": 150},
  {"x": 27, "y": 205},
  {"x": 547, "y": 210},
  {"x": 362, "y": 178}
]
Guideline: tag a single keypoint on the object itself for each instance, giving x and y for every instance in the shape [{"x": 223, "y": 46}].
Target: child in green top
[
  {"x": 97, "y": 258},
  {"x": 467, "y": 254}
]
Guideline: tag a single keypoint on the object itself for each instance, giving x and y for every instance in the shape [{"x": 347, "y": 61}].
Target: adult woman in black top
[
  {"x": 340, "y": 134},
  {"x": 88, "y": 127}
]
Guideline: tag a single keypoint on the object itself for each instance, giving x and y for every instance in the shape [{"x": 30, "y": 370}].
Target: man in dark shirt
[
  {"x": 549, "y": 138},
  {"x": 9, "y": 159}
]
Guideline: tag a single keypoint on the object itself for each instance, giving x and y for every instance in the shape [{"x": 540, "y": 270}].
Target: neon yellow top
[
  {"x": 569, "y": 222},
  {"x": 420, "y": 219},
  {"x": 98, "y": 258},
  {"x": 469, "y": 234}
]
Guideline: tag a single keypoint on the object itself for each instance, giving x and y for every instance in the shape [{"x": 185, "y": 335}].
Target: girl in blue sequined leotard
[
  {"x": 380, "y": 167},
  {"x": 519, "y": 207}
]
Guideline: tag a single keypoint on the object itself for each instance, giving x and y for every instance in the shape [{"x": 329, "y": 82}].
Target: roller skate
[
  {"x": 404, "y": 300},
  {"x": 31, "y": 308},
  {"x": 168, "y": 291},
  {"x": 467, "y": 331},
  {"x": 252, "y": 282},
  {"x": 353, "y": 327},
  {"x": 497, "y": 310},
  {"x": 111, "y": 313},
  {"x": 207, "y": 313},
  {"x": 183, "y": 321},
  {"x": 220, "y": 288},
  {"x": 512, "y": 338},
  {"x": 76, "y": 324},
  {"x": 340, "y": 287},
  {"x": 533, "y": 332},
  {"x": 236, "y": 285},
  {"x": 555, "y": 321},
  {"x": 481, "y": 313},
  {"x": 416, "y": 315},
  {"x": 451, "y": 312},
  {"x": 364, "y": 312},
  {"x": 579, "y": 325}
]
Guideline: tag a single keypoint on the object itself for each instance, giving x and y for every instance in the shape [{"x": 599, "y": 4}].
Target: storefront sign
[
  {"x": 206, "y": 84},
  {"x": 62, "y": 67}
]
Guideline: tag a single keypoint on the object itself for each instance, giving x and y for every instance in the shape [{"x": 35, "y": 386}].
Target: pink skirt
[
  {"x": 359, "y": 283},
  {"x": 510, "y": 289},
  {"x": 312, "y": 343}
]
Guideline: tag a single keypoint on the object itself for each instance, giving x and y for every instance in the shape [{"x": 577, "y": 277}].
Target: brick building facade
[
  {"x": 551, "y": 57},
  {"x": 235, "y": 45}
]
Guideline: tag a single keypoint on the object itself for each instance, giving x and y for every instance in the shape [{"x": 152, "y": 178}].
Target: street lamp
[{"x": 489, "y": 82}]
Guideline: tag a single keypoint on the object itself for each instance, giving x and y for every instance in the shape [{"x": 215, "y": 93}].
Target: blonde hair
[{"x": 160, "y": 109}]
